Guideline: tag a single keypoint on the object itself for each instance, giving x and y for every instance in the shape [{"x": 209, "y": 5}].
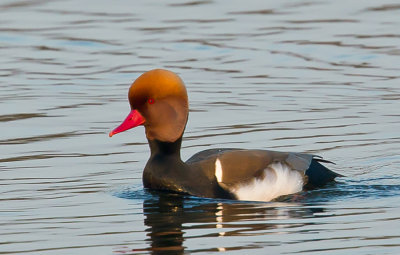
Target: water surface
[{"x": 309, "y": 76}]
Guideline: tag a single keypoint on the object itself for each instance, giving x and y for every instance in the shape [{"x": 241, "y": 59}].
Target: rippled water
[{"x": 311, "y": 76}]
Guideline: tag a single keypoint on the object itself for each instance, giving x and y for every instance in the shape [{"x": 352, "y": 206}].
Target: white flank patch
[
  {"x": 279, "y": 180},
  {"x": 218, "y": 170}
]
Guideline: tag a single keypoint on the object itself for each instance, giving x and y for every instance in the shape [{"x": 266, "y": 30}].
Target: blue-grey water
[{"x": 312, "y": 76}]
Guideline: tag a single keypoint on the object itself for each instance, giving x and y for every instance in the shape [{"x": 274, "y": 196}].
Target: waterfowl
[{"x": 159, "y": 101}]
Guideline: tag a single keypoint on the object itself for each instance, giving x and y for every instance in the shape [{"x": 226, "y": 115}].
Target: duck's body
[{"x": 159, "y": 101}]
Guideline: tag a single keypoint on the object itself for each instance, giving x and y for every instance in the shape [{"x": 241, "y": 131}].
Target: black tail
[{"x": 318, "y": 175}]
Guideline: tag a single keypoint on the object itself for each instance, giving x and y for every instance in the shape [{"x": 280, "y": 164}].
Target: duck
[{"x": 159, "y": 101}]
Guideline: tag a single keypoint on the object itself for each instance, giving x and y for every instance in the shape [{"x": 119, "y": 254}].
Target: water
[{"x": 310, "y": 76}]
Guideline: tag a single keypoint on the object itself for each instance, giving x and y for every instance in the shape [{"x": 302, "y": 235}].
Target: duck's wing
[
  {"x": 237, "y": 165},
  {"x": 243, "y": 172}
]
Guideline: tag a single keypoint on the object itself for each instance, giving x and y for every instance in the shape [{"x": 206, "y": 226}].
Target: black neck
[{"x": 166, "y": 148}]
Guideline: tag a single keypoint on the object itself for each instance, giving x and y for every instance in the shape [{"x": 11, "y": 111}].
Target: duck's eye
[{"x": 151, "y": 101}]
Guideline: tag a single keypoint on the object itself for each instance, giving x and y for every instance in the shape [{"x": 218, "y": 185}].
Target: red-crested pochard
[{"x": 159, "y": 101}]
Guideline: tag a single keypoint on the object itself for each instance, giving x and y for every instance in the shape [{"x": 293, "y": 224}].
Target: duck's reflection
[
  {"x": 164, "y": 215},
  {"x": 170, "y": 216}
]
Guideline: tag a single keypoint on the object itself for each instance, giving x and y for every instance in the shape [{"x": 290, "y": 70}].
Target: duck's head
[{"x": 159, "y": 101}]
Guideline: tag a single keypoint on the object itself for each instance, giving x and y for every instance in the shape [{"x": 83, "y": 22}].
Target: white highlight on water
[
  {"x": 218, "y": 170},
  {"x": 279, "y": 180},
  {"x": 219, "y": 219}
]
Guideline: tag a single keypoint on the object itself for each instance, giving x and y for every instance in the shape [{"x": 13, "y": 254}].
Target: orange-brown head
[{"x": 159, "y": 101}]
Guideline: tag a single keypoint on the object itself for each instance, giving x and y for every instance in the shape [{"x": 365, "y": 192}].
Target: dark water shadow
[{"x": 172, "y": 218}]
